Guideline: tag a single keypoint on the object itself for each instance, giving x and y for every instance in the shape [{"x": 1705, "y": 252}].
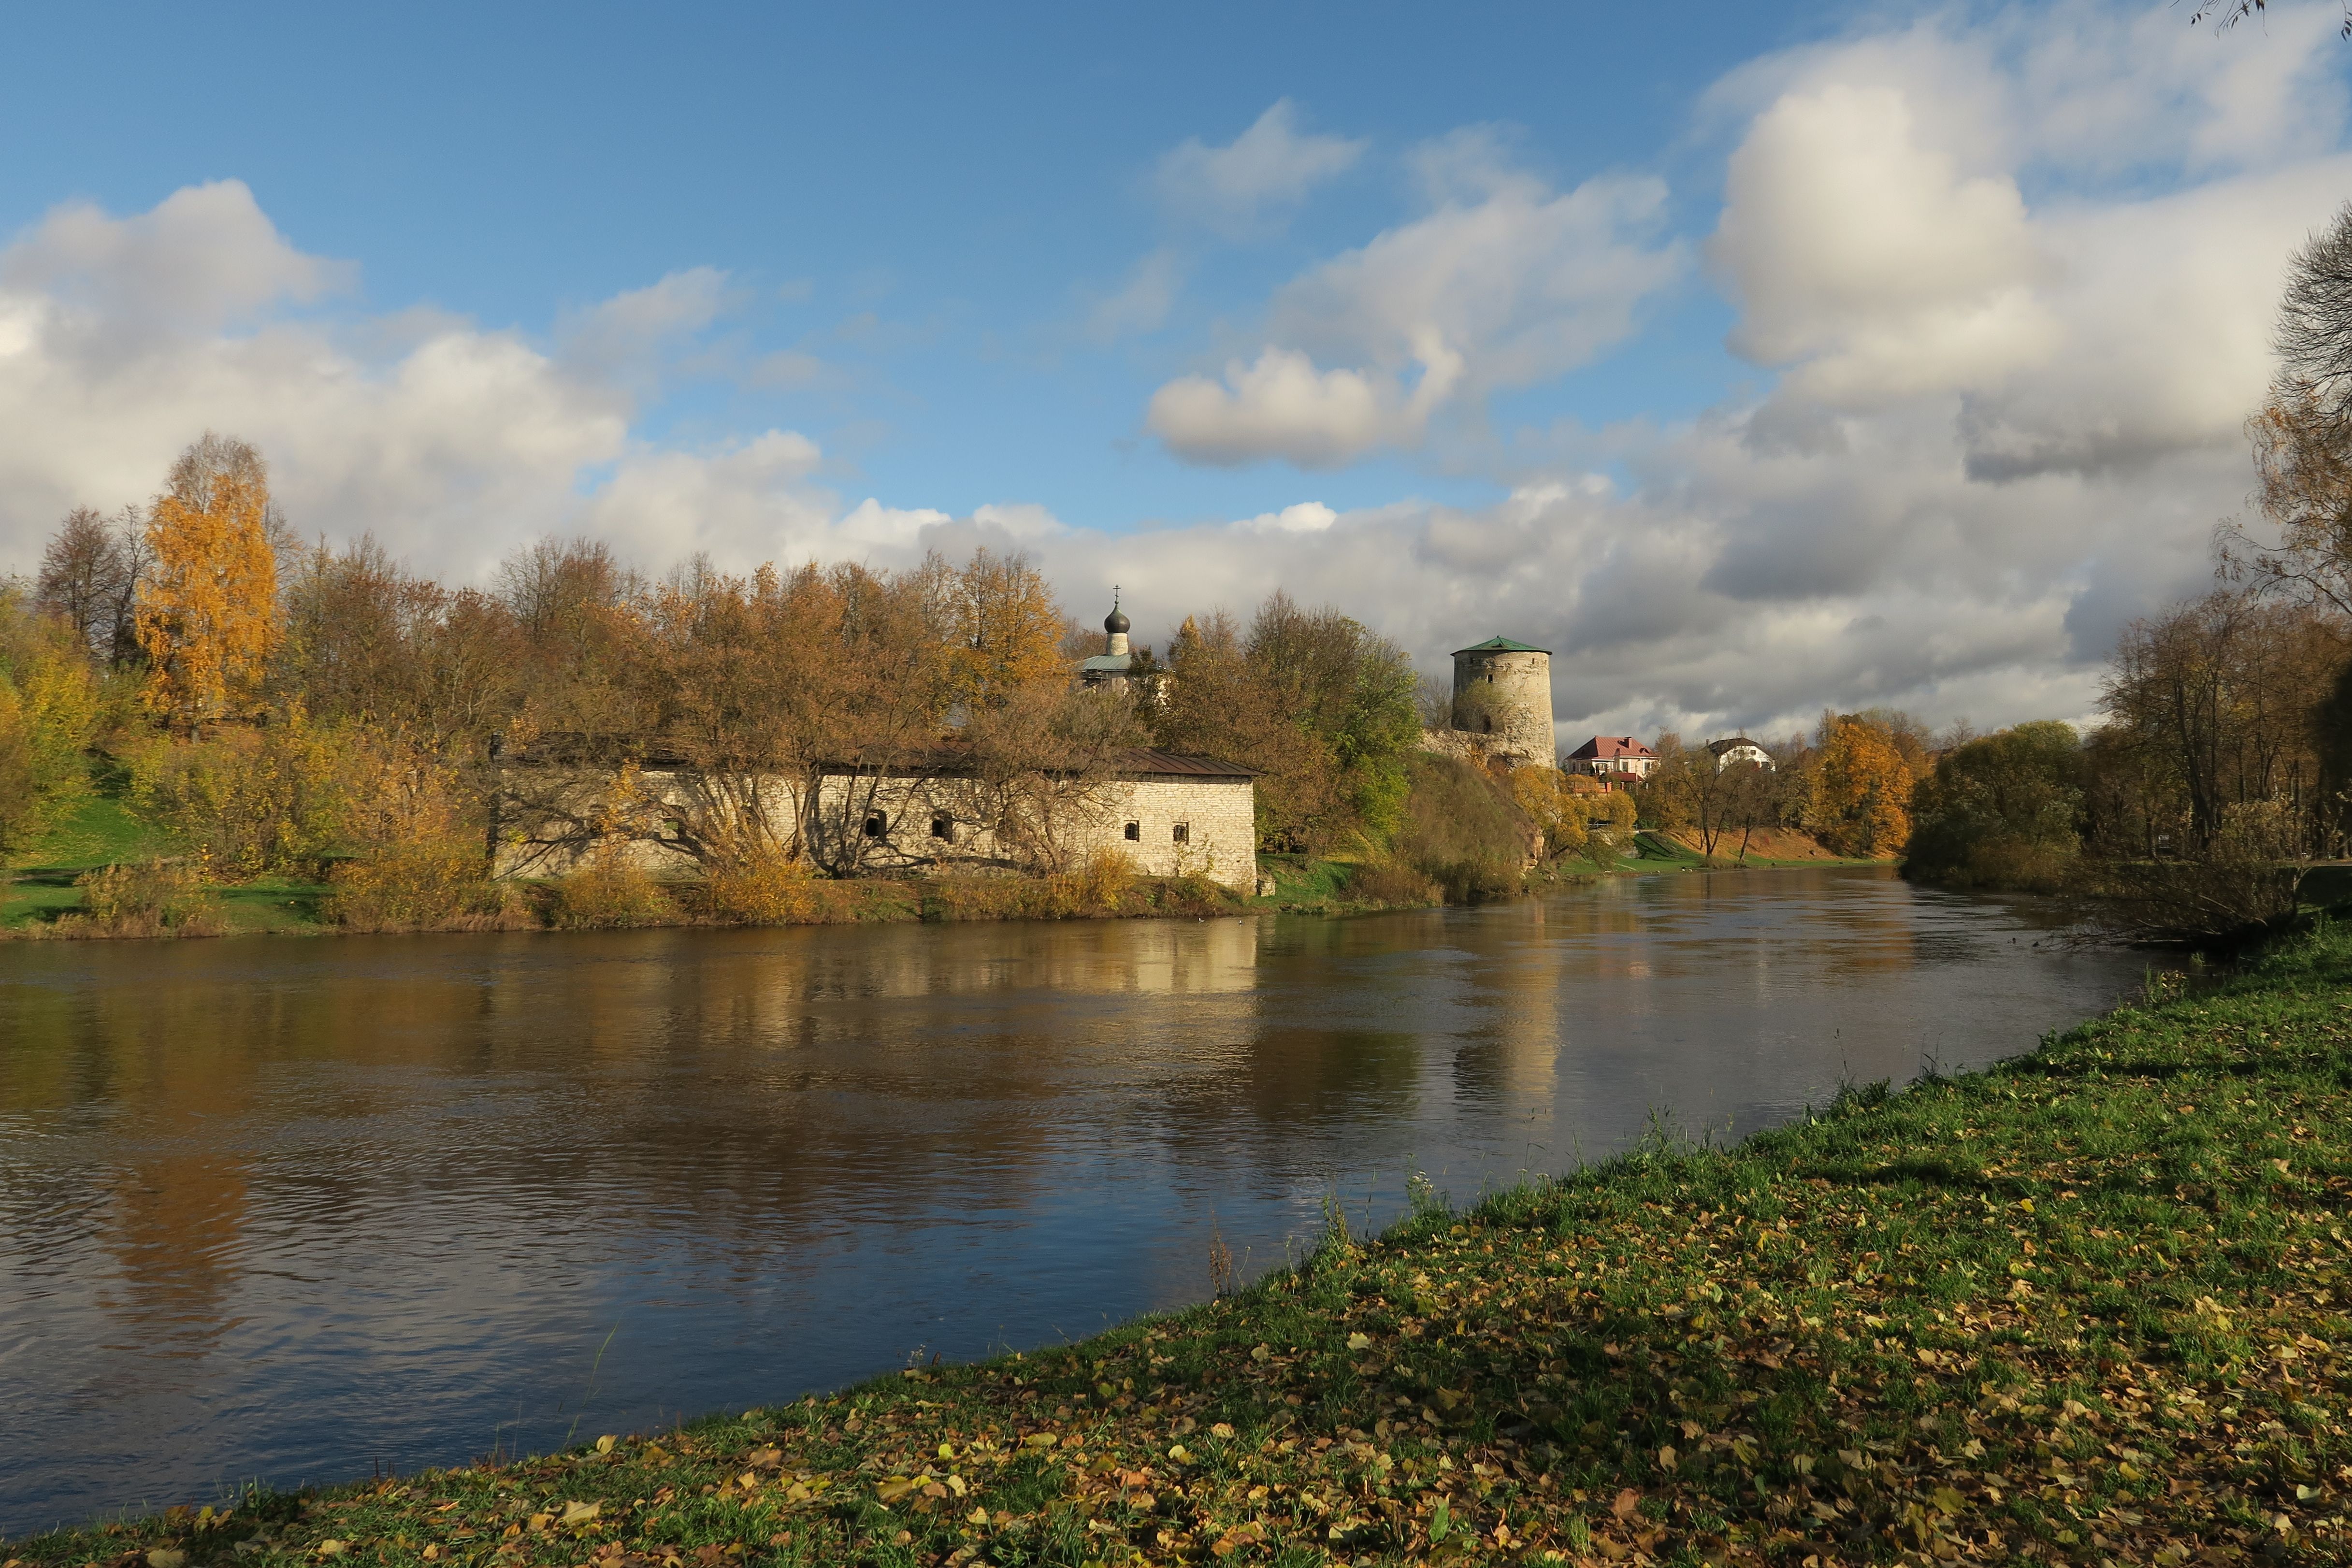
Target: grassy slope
[
  {"x": 39, "y": 883},
  {"x": 2087, "y": 1306}
]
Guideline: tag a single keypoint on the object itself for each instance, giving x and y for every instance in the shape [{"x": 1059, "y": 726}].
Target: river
[{"x": 297, "y": 1210}]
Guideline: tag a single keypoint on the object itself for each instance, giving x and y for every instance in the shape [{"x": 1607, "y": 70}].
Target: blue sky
[{"x": 1739, "y": 355}]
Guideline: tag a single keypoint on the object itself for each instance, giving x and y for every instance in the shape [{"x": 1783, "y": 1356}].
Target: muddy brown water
[{"x": 292, "y": 1211}]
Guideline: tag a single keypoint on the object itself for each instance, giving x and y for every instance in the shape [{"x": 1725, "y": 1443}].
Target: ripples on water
[{"x": 289, "y": 1210}]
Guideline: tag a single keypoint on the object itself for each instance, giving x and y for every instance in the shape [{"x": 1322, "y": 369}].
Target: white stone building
[{"x": 1169, "y": 815}]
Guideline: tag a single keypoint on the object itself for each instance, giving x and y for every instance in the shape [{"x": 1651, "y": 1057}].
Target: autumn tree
[
  {"x": 1861, "y": 788},
  {"x": 206, "y": 614},
  {"x": 49, "y": 709},
  {"x": 1221, "y": 703},
  {"x": 363, "y": 639},
  {"x": 1325, "y": 710},
  {"x": 89, "y": 577},
  {"x": 2215, "y": 709},
  {"x": 1008, "y": 629}
]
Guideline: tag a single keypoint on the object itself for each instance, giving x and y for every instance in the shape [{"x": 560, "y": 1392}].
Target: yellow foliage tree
[
  {"x": 1543, "y": 793},
  {"x": 1009, "y": 629},
  {"x": 207, "y": 610},
  {"x": 1861, "y": 791},
  {"x": 49, "y": 710}
]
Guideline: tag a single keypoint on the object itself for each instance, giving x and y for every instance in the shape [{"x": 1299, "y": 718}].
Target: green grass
[
  {"x": 39, "y": 883},
  {"x": 2088, "y": 1306}
]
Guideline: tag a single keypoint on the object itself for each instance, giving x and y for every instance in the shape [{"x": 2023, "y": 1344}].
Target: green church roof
[{"x": 1500, "y": 645}]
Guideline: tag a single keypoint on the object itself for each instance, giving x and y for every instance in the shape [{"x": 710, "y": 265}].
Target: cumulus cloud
[
  {"x": 121, "y": 339},
  {"x": 1267, "y": 168},
  {"x": 1502, "y": 282},
  {"x": 1283, "y": 405},
  {"x": 1872, "y": 262},
  {"x": 204, "y": 257},
  {"x": 1878, "y": 239}
]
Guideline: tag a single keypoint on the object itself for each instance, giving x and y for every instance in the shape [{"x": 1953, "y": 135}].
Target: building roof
[
  {"x": 1605, "y": 747},
  {"x": 1720, "y": 747},
  {"x": 947, "y": 758},
  {"x": 1142, "y": 761},
  {"x": 1499, "y": 645},
  {"x": 1115, "y": 664}
]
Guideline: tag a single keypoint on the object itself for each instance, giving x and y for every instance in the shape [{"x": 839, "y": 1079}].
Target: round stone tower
[{"x": 1503, "y": 689}]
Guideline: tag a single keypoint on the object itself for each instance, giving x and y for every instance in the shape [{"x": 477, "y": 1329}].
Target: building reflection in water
[{"x": 288, "y": 1210}]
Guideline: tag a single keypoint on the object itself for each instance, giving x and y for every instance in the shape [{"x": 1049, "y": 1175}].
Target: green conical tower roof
[{"x": 1500, "y": 645}]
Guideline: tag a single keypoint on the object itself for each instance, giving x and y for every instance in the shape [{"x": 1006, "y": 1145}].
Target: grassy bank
[{"x": 2088, "y": 1306}]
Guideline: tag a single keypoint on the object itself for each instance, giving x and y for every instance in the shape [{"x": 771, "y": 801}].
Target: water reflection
[{"x": 290, "y": 1209}]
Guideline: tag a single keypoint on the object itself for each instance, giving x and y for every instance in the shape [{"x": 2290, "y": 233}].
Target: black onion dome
[{"x": 1115, "y": 621}]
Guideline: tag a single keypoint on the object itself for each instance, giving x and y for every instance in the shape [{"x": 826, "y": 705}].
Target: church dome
[{"x": 1115, "y": 621}]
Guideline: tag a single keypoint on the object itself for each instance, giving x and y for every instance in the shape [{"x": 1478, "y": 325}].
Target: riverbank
[{"x": 2086, "y": 1305}]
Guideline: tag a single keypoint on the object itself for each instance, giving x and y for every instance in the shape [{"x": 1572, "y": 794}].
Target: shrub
[
  {"x": 1463, "y": 830},
  {"x": 1387, "y": 882},
  {"x": 761, "y": 891},
  {"x": 434, "y": 885},
  {"x": 281, "y": 797},
  {"x": 1105, "y": 886},
  {"x": 257, "y": 799},
  {"x": 149, "y": 898},
  {"x": 2244, "y": 885},
  {"x": 610, "y": 889}
]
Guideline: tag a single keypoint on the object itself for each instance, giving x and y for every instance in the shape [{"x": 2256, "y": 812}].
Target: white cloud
[
  {"x": 123, "y": 338},
  {"x": 205, "y": 257},
  {"x": 1502, "y": 284},
  {"x": 629, "y": 330},
  {"x": 1269, "y": 167},
  {"x": 1143, "y": 302},
  {"x": 1874, "y": 260},
  {"x": 1282, "y": 405},
  {"x": 1305, "y": 518}
]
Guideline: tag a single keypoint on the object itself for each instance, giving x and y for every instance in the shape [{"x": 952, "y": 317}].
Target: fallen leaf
[
  {"x": 1359, "y": 1342},
  {"x": 333, "y": 1548},
  {"x": 166, "y": 1557},
  {"x": 604, "y": 1443},
  {"x": 1627, "y": 1501},
  {"x": 581, "y": 1513}
]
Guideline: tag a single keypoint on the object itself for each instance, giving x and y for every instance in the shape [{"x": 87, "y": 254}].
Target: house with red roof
[{"x": 1614, "y": 756}]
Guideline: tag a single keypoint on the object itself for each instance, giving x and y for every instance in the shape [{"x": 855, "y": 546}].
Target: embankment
[{"x": 2088, "y": 1305}]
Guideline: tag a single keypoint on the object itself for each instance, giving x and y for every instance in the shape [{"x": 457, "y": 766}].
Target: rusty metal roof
[
  {"x": 949, "y": 759},
  {"x": 1142, "y": 761}
]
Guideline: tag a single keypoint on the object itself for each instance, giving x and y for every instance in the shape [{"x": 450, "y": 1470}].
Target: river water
[{"x": 289, "y": 1211}]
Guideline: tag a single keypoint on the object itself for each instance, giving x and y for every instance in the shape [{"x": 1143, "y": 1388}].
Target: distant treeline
[{"x": 288, "y": 709}]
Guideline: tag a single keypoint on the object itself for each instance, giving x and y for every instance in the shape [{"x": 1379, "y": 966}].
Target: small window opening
[
  {"x": 943, "y": 828},
  {"x": 1183, "y": 832},
  {"x": 1487, "y": 723},
  {"x": 1134, "y": 831},
  {"x": 876, "y": 825}
]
